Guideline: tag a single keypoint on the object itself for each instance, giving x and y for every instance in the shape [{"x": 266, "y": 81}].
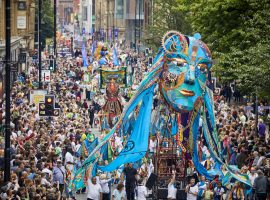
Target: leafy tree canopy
[
  {"x": 238, "y": 34},
  {"x": 166, "y": 16}
]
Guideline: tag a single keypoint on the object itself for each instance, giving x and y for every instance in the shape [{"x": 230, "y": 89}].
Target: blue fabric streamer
[
  {"x": 195, "y": 158},
  {"x": 91, "y": 147},
  {"x": 84, "y": 57},
  {"x": 88, "y": 145},
  {"x": 137, "y": 145},
  {"x": 93, "y": 48},
  {"x": 174, "y": 126},
  {"x": 115, "y": 57},
  {"x": 102, "y": 61}
]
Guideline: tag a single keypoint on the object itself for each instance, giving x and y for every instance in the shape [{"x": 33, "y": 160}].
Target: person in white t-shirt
[
  {"x": 152, "y": 145},
  {"x": 47, "y": 171},
  {"x": 192, "y": 190},
  {"x": 104, "y": 183},
  {"x": 94, "y": 191},
  {"x": 119, "y": 193},
  {"x": 252, "y": 175},
  {"x": 78, "y": 146},
  {"x": 141, "y": 190},
  {"x": 69, "y": 159},
  {"x": 172, "y": 190}
]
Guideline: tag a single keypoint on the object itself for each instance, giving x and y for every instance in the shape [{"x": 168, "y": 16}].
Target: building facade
[
  {"x": 22, "y": 32},
  {"x": 122, "y": 20},
  {"x": 108, "y": 20},
  {"x": 22, "y": 21},
  {"x": 65, "y": 11}
]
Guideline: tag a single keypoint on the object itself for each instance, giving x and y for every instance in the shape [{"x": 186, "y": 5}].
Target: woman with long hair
[{"x": 237, "y": 192}]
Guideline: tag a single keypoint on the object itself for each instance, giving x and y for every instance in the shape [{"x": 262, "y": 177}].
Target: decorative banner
[
  {"x": 37, "y": 96},
  {"x": 120, "y": 77},
  {"x": 137, "y": 145}
]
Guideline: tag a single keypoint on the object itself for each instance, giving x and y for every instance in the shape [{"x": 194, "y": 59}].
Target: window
[
  {"x": 93, "y": 7},
  {"x": 128, "y": 6},
  {"x": 84, "y": 13},
  {"x": 21, "y": 5},
  {"x": 119, "y": 9}
]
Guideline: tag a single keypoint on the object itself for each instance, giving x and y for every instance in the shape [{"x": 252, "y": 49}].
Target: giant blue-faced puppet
[{"x": 181, "y": 72}]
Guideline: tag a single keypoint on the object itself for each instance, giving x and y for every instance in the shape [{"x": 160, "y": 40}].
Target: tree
[
  {"x": 166, "y": 17},
  {"x": 47, "y": 22},
  {"x": 238, "y": 34}
]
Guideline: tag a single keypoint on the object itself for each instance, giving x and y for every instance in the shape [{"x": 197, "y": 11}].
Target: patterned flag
[{"x": 84, "y": 56}]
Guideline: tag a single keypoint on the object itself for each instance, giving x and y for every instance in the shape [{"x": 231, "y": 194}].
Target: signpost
[
  {"x": 37, "y": 96},
  {"x": 46, "y": 75}
]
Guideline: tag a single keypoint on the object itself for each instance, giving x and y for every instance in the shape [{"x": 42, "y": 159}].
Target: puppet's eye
[
  {"x": 179, "y": 62},
  {"x": 202, "y": 67}
]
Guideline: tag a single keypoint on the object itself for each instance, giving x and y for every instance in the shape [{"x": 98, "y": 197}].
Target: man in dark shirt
[
  {"x": 130, "y": 174},
  {"x": 260, "y": 186}
]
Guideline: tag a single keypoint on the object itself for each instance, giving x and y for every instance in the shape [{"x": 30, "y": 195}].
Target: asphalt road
[{"x": 80, "y": 196}]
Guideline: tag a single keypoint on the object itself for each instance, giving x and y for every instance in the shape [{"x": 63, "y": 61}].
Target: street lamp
[
  {"x": 39, "y": 44},
  {"x": 7, "y": 99},
  {"x": 55, "y": 35}
]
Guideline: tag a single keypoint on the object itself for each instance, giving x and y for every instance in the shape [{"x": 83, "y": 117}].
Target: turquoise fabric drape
[{"x": 137, "y": 145}]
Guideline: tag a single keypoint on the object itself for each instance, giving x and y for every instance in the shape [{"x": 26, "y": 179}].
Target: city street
[{"x": 134, "y": 99}]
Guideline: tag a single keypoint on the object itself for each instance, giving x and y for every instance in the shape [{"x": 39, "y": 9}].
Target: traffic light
[
  {"x": 56, "y": 112},
  {"x": 48, "y": 107},
  {"x": 150, "y": 61},
  {"x": 146, "y": 52},
  {"x": 51, "y": 64}
]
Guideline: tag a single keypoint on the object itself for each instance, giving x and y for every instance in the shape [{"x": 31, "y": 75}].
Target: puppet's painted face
[{"x": 185, "y": 73}]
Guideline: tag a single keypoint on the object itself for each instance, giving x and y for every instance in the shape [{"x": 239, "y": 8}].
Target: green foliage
[
  {"x": 238, "y": 34},
  {"x": 166, "y": 16},
  {"x": 47, "y": 21}
]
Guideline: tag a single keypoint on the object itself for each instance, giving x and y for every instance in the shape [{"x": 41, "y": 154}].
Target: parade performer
[
  {"x": 181, "y": 71},
  {"x": 104, "y": 60},
  {"x": 113, "y": 104}
]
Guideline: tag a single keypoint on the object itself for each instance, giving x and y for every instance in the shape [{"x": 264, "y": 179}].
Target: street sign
[
  {"x": 46, "y": 75},
  {"x": 37, "y": 96},
  {"x": 14, "y": 67}
]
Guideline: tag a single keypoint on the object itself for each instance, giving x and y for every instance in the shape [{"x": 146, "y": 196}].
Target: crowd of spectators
[{"x": 43, "y": 149}]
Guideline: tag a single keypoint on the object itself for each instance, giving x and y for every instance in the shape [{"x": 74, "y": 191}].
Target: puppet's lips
[{"x": 187, "y": 93}]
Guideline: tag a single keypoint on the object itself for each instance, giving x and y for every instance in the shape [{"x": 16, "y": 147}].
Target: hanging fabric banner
[{"x": 137, "y": 145}]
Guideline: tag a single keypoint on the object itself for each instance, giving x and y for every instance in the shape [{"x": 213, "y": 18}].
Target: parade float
[{"x": 181, "y": 77}]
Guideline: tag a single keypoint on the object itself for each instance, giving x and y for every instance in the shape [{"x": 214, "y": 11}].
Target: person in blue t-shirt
[{"x": 202, "y": 187}]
